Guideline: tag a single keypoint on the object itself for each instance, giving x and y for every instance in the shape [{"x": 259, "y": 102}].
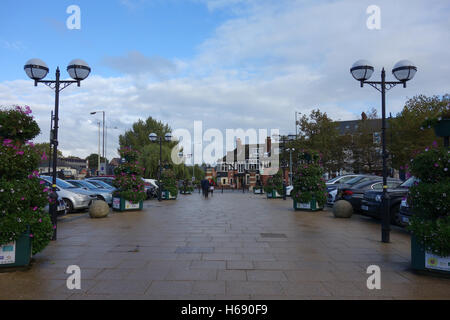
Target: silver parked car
[
  {"x": 101, "y": 184},
  {"x": 60, "y": 207},
  {"x": 102, "y": 194},
  {"x": 75, "y": 198}
]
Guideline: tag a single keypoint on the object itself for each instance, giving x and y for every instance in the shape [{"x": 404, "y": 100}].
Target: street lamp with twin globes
[
  {"x": 37, "y": 70},
  {"x": 403, "y": 71}
]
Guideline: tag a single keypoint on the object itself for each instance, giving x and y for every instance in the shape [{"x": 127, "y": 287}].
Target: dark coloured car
[
  {"x": 333, "y": 188},
  {"x": 405, "y": 212},
  {"x": 372, "y": 200},
  {"x": 354, "y": 194}
]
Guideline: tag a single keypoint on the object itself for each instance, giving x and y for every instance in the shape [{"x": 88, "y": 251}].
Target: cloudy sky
[{"x": 229, "y": 63}]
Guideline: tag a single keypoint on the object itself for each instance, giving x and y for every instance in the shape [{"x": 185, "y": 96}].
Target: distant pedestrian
[
  {"x": 206, "y": 188},
  {"x": 211, "y": 188}
]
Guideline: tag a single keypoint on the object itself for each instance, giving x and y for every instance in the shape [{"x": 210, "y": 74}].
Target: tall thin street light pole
[
  {"x": 37, "y": 70},
  {"x": 50, "y": 144},
  {"x": 403, "y": 71},
  {"x": 154, "y": 138},
  {"x": 98, "y": 158},
  {"x": 103, "y": 150}
]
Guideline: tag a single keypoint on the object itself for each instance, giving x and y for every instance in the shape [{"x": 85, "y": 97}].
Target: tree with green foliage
[
  {"x": 365, "y": 150},
  {"x": 320, "y": 133},
  {"x": 407, "y": 137},
  {"x": 45, "y": 147},
  {"x": 138, "y": 139},
  {"x": 93, "y": 161}
]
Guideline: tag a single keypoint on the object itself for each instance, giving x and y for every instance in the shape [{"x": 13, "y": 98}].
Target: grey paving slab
[{"x": 231, "y": 246}]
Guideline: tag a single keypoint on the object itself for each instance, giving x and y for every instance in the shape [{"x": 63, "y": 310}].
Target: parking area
[{"x": 231, "y": 246}]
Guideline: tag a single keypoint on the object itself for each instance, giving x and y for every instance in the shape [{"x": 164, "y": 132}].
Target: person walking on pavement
[
  {"x": 211, "y": 188},
  {"x": 206, "y": 188}
]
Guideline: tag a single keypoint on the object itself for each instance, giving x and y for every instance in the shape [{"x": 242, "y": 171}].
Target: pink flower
[
  {"x": 22, "y": 198},
  {"x": 19, "y": 152},
  {"x": 40, "y": 220},
  {"x": 436, "y": 165},
  {"x": 44, "y": 156},
  {"x": 54, "y": 226},
  {"x": 31, "y": 235},
  {"x": 41, "y": 182},
  {"x": 35, "y": 208}
]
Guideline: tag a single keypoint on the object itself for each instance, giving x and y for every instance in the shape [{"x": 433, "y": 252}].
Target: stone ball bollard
[
  {"x": 98, "y": 209},
  {"x": 342, "y": 209}
]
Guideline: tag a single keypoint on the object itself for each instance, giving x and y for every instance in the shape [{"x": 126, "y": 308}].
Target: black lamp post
[
  {"x": 283, "y": 140},
  {"x": 403, "y": 71},
  {"x": 36, "y": 69},
  {"x": 154, "y": 138}
]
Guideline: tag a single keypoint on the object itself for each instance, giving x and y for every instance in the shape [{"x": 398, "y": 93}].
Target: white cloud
[{"x": 270, "y": 60}]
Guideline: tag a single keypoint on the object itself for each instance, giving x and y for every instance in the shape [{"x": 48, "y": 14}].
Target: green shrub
[
  {"x": 274, "y": 183},
  {"x": 430, "y": 200},
  {"x": 169, "y": 182},
  {"x": 128, "y": 177},
  {"x": 22, "y": 197},
  {"x": 308, "y": 180}
]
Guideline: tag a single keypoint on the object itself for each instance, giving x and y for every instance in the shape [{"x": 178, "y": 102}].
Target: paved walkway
[{"x": 231, "y": 246}]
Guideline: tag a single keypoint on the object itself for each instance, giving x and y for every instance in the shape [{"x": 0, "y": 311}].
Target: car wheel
[
  {"x": 69, "y": 205},
  {"x": 100, "y": 198}
]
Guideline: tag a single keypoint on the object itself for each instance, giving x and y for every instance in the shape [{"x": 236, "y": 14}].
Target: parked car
[
  {"x": 60, "y": 207},
  {"x": 151, "y": 188},
  {"x": 332, "y": 189},
  {"x": 108, "y": 179},
  {"x": 101, "y": 184},
  {"x": 354, "y": 194},
  {"x": 75, "y": 198},
  {"x": 102, "y": 194},
  {"x": 405, "y": 211},
  {"x": 340, "y": 179},
  {"x": 372, "y": 200},
  {"x": 289, "y": 190}
]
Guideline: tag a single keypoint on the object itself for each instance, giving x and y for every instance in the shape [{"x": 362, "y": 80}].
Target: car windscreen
[
  {"x": 89, "y": 185},
  {"x": 365, "y": 184},
  {"x": 76, "y": 183},
  {"x": 408, "y": 183},
  {"x": 357, "y": 179},
  {"x": 100, "y": 184},
  {"x": 64, "y": 184},
  {"x": 334, "y": 179}
]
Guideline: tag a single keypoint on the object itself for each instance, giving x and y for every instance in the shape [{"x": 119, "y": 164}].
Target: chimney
[{"x": 268, "y": 144}]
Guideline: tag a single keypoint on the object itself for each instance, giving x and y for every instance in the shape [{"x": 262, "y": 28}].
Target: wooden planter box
[
  {"x": 310, "y": 206},
  {"x": 258, "y": 190},
  {"x": 166, "y": 195},
  {"x": 273, "y": 195},
  {"x": 120, "y": 204},
  {"x": 425, "y": 261},
  {"x": 17, "y": 253}
]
